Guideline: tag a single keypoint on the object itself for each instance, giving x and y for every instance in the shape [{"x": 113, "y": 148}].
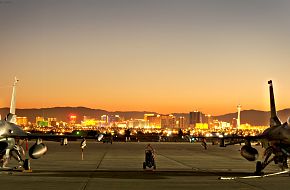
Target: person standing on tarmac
[
  {"x": 83, "y": 145},
  {"x": 203, "y": 143},
  {"x": 150, "y": 148}
]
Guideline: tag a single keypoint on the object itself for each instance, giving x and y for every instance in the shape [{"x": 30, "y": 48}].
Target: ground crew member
[{"x": 83, "y": 145}]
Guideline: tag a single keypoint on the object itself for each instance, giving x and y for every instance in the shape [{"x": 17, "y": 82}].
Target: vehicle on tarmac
[{"x": 149, "y": 160}]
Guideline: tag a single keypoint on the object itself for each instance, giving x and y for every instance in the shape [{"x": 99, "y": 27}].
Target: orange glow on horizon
[{"x": 150, "y": 56}]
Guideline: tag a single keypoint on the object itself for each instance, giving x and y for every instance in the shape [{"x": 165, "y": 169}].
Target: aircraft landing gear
[
  {"x": 259, "y": 168},
  {"x": 279, "y": 158},
  {"x": 261, "y": 165},
  {"x": 5, "y": 158},
  {"x": 26, "y": 165},
  {"x": 283, "y": 162},
  {"x": 288, "y": 164}
]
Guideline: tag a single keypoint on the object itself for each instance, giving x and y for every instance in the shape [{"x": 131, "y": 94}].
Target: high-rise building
[
  {"x": 224, "y": 125},
  {"x": 195, "y": 117},
  {"x": 148, "y": 115},
  {"x": 105, "y": 118},
  {"x": 208, "y": 119},
  {"x": 22, "y": 121},
  {"x": 72, "y": 119},
  {"x": 137, "y": 123},
  {"x": 234, "y": 123},
  {"x": 114, "y": 118},
  {"x": 153, "y": 121},
  {"x": 52, "y": 121},
  {"x": 168, "y": 121},
  {"x": 181, "y": 122}
]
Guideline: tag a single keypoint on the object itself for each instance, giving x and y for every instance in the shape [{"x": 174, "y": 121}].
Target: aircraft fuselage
[{"x": 279, "y": 134}]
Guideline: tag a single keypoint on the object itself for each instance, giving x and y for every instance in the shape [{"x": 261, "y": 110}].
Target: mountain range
[{"x": 253, "y": 117}]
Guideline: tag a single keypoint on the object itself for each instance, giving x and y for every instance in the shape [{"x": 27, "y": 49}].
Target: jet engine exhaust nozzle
[{"x": 250, "y": 153}]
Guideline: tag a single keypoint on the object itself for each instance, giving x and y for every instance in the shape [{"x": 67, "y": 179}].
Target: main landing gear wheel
[
  {"x": 26, "y": 164},
  {"x": 259, "y": 168},
  {"x": 154, "y": 166}
]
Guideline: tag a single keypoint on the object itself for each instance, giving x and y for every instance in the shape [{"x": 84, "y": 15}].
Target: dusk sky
[{"x": 146, "y": 55}]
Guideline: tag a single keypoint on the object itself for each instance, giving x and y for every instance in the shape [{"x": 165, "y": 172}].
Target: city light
[{"x": 165, "y": 126}]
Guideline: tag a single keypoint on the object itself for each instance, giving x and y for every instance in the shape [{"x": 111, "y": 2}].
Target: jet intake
[
  {"x": 3, "y": 146},
  {"x": 250, "y": 153},
  {"x": 37, "y": 150}
]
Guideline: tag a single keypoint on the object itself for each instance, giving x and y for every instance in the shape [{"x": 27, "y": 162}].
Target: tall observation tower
[{"x": 239, "y": 116}]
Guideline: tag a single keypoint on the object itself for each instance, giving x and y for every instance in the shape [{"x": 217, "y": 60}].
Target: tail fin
[
  {"x": 274, "y": 120},
  {"x": 11, "y": 117}
]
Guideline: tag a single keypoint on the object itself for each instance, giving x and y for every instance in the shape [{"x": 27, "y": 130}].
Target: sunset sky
[{"x": 146, "y": 55}]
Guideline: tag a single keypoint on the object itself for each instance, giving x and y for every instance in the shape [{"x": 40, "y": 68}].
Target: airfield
[{"x": 119, "y": 166}]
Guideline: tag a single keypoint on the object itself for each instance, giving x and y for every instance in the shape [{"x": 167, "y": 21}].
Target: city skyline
[{"x": 162, "y": 56}]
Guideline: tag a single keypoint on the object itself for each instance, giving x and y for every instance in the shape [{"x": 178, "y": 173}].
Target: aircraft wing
[{"x": 231, "y": 139}]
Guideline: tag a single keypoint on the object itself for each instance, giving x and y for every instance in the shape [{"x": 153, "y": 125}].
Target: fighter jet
[
  {"x": 275, "y": 140},
  {"x": 9, "y": 145},
  {"x": 13, "y": 136}
]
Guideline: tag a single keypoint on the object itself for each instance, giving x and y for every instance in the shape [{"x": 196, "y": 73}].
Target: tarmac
[{"x": 119, "y": 166}]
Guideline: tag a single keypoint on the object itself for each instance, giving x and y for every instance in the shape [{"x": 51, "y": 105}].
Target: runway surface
[{"x": 119, "y": 166}]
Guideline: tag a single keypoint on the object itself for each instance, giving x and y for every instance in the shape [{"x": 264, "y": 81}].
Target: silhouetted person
[
  {"x": 83, "y": 145},
  {"x": 128, "y": 135},
  {"x": 203, "y": 143},
  {"x": 150, "y": 148}
]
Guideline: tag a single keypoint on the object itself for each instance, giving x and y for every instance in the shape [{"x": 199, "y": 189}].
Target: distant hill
[
  {"x": 63, "y": 113},
  {"x": 253, "y": 117}
]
